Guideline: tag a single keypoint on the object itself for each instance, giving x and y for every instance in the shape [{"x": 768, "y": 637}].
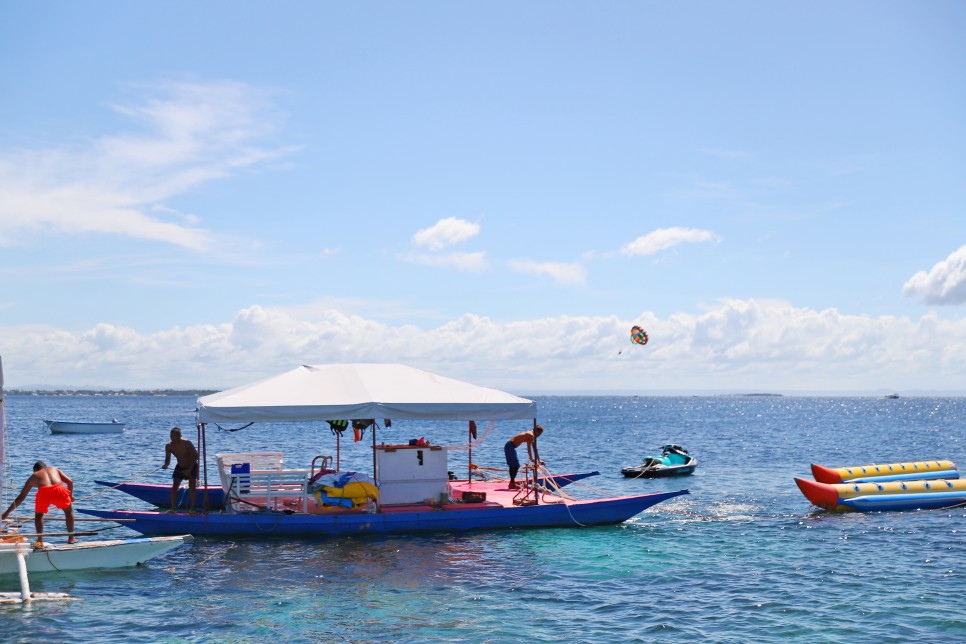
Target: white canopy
[{"x": 361, "y": 391}]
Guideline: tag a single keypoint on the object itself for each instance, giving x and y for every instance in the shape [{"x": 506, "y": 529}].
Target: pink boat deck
[{"x": 498, "y": 495}]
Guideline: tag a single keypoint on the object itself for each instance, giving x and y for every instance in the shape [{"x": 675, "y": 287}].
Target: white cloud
[
  {"x": 446, "y": 232},
  {"x": 192, "y": 133},
  {"x": 664, "y": 238},
  {"x": 944, "y": 283},
  {"x": 737, "y": 345},
  {"x": 570, "y": 274}
]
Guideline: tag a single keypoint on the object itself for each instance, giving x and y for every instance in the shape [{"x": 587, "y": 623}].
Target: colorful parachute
[{"x": 638, "y": 335}]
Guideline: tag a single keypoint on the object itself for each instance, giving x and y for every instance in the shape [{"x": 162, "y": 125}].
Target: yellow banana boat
[
  {"x": 910, "y": 471},
  {"x": 889, "y": 495}
]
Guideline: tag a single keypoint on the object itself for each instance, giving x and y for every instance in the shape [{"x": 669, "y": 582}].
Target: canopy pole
[
  {"x": 374, "y": 474},
  {"x": 203, "y": 442},
  {"x": 536, "y": 464},
  {"x": 469, "y": 460}
]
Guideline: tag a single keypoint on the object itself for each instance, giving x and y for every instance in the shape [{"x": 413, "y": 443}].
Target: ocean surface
[{"x": 742, "y": 558}]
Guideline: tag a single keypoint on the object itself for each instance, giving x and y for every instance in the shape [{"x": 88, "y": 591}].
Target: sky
[{"x": 206, "y": 194}]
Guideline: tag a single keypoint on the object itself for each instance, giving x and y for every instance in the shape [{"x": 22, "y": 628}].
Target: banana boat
[
  {"x": 888, "y": 495},
  {"x": 910, "y": 471}
]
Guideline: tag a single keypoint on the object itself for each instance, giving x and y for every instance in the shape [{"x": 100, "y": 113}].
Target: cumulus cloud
[
  {"x": 664, "y": 238},
  {"x": 189, "y": 133},
  {"x": 944, "y": 283},
  {"x": 734, "y": 345},
  {"x": 446, "y": 232},
  {"x": 568, "y": 274}
]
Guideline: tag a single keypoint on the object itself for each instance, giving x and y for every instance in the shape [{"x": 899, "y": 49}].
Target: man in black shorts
[{"x": 186, "y": 468}]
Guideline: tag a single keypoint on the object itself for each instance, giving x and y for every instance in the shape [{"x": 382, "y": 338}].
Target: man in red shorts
[{"x": 50, "y": 482}]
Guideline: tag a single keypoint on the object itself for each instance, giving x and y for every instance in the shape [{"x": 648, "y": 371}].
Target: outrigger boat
[
  {"x": 84, "y": 555},
  {"x": 673, "y": 461},
  {"x": 159, "y": 496},
  {"x": 410, "y": 491}
]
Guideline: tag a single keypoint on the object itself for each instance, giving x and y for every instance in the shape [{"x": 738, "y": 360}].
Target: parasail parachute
[{"x": 638, "y": 335}]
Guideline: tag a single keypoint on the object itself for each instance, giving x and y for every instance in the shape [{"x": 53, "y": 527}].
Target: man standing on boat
[
  {"x": 510, "y": 451},
  {"x": 186, "y": 468},
  {"x": 50, "y": 483}
]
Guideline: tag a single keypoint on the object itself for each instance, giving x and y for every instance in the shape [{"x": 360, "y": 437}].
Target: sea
[{"x": 742, "y": 558}]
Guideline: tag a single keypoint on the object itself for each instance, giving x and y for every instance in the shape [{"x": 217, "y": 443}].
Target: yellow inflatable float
[
  {"x": 356, "y": 492},
  {"x": 890, "y": 495},
  {"x": 910, "y": 471}
]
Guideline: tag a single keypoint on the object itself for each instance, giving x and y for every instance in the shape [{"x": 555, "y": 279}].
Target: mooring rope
[{"x": 113, "y": 487}]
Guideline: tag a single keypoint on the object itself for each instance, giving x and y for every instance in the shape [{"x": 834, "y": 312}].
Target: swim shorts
[
  {"x": 48, "y": 495},
  {"x": 510, "y": 451},
  {"x": 180, "y": 475}
]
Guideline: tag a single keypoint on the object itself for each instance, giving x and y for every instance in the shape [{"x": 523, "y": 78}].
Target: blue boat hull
[
  {"x": 160, "y": 495},
  {"x": 396, "y": 521}
]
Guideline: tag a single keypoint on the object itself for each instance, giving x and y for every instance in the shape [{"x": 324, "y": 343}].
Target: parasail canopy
[{"x": 638, "y": 335}]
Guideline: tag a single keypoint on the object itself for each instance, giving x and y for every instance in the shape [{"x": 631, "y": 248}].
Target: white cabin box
[{"x": 411, "y": 474}]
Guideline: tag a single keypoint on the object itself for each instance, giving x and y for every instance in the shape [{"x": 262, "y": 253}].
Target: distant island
[{"x": 109, "y": 392}]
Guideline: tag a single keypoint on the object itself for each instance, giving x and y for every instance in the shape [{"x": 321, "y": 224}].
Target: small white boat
[
  {"x": 72, "y": 427},
  {"x": 85, "y": 555}
]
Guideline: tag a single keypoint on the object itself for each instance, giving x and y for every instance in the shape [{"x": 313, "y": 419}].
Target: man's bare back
[
  {"x": 50, "y": 483},
  {"x": 47, "y": 476}
]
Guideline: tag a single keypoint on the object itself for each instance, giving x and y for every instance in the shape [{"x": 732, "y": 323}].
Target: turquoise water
[{"x": 743, "y": 558}]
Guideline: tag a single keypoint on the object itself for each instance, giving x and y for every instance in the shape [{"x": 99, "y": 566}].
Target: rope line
[{"x": 113, "y": 487}]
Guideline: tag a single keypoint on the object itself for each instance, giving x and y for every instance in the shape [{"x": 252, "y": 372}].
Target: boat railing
[
  {"x": 241, "y": 462},
  {"x": 258, "y": 481},
  {"x": 325, "y": 465},
  {"x": 277, "y": 490}
]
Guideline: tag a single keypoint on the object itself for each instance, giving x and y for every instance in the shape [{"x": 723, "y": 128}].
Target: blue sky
[{"x": 201, "y": 194}]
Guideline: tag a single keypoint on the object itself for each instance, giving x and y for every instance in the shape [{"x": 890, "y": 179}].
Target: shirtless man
[
  {"x": 50, "y": 483},
  {"x": 510, "y": 450},
  {"x": 186, "y": 468}
]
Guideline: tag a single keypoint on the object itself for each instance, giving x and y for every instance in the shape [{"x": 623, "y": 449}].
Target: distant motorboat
[
  {"x": 72, "y": 427},
  {"x": 891, "y": 396}
]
